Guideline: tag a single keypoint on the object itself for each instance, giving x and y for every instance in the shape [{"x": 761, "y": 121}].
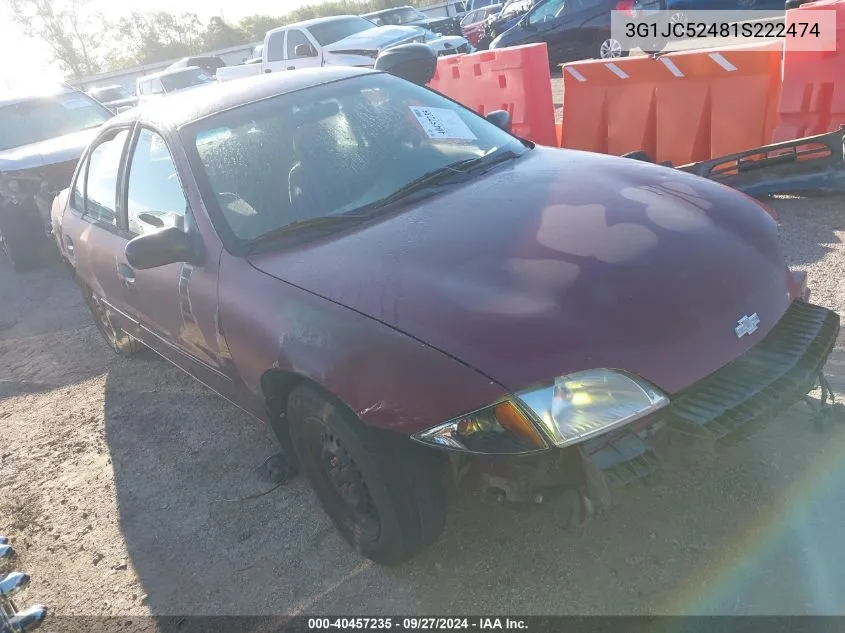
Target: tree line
[{"x": 84, "y": 42}]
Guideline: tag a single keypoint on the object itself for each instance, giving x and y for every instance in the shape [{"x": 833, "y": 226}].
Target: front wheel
[{"x": 384, "y": 494}]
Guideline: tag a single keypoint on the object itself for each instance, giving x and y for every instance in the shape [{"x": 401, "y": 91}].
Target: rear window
[
  {"x": 109, "y": 94},
  {"x": 36, "y": 120},
  {"x": 185, "y": 79}
]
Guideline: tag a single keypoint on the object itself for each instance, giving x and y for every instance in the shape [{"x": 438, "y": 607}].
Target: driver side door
[
  {"x": 175, "y": 305},
  {"x": 295, "y": 38}
]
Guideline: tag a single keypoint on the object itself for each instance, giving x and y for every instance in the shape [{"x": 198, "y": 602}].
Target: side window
[
  {"x": 155, "y": 198},
  {"x": 77, "y": 196},
  {"x": 156, "y": 87},
  {"x": 295, "y": 38},
  {"x": 275, "y": 47},
  {"x": 101, "y": 177},
  {"x": 545, "y": 12}
]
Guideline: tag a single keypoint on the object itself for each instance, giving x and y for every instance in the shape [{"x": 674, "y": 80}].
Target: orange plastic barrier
[
  {"x": 683, "y": 107},
  {"x": 514, "y": 79},
  {"x": 812, "y": 99}
]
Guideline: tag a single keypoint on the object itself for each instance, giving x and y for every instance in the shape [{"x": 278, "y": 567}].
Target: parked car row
[
  {"x": 348, "y": 40},
  {"x": 473, "y": 23}
]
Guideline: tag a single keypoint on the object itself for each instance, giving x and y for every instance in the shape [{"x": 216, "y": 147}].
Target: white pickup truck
[{"x": 343, "y": 40}]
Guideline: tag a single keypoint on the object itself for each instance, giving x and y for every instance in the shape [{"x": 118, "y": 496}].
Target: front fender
[{"x": 389, "y": 379}]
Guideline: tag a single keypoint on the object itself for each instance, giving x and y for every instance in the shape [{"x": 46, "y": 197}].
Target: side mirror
[
  {"x": 501, "y": 119},
  {"x": 167, "y": 246},
  {"x": 304, "y": 50},
  {"x": 416, "y": 63}
]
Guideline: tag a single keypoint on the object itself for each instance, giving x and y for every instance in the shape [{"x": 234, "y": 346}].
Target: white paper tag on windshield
[
  {"x": 442, "y": 123},
  {"x": 75, "y": 102}
]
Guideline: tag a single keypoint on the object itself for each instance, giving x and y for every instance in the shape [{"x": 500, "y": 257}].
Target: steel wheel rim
[
  {"x": 610, "y": 49},
  {"x": 344, "y": 481},
  {"x": 103, "y": 322}
]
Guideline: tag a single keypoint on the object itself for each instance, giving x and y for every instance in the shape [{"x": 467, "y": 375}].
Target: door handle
[
  {"x": 127, "y": 275},
  {"x": 268, "y": 70},
  {"x": 291, "y": 68},
  {"x": 69, "y": 245}
]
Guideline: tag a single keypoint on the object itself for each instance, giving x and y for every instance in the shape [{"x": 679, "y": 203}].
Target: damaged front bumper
[
  {"x": 33, "y": 190},
  {"x": 813, "y": 164},
  {"x": 759, "y": 385}
]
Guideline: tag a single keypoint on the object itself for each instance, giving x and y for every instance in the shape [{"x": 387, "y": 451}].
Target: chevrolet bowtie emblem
[{"x": 747, "y": 325}]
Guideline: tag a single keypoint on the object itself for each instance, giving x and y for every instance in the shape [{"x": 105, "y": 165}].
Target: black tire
[
  {"x": 23, "y": 235},
  {"x": 395, "y": 502},
  {"x": 122, "y": 343}
]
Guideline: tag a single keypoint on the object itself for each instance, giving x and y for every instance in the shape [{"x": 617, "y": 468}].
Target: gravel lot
[{"x": 121, "y": 482}]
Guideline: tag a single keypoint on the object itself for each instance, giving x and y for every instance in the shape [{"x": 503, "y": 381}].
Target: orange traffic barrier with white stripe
[
  {"x": 682, "y": 107},
  {"x": 812, "y": 98},
  {"x": 513, "y": 79}
]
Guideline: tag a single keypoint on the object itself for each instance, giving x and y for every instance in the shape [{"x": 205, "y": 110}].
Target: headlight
[
  {"x": 14, "y": 186},
  {"x": 500, "y": 429},
  {"x": 588, "y": 403},
  {"x": 572, "y": 409}
]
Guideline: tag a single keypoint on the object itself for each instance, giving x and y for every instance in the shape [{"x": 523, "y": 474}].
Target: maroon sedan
[{"x": 411, "y": 296}]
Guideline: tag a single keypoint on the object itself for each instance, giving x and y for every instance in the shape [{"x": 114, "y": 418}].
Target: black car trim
[
  {"x": 769, "y": 377},
  {"x": 731, "y": 402}
]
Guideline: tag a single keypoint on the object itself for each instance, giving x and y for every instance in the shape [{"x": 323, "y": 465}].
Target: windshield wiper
[
  {"x": 443, "y": 175},
  {"x": 327, "y": 221},
  {"x": 488, "y": 159}
]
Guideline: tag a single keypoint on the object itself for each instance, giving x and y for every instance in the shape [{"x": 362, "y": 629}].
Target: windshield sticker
[
  {"x": 442, "y": 124},
  {"x": 75, "y": 102}
]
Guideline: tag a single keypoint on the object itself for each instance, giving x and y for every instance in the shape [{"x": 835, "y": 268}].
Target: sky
[{"x": 24, "y": 57}]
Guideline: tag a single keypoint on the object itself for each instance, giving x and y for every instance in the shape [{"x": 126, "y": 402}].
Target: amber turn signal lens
[{"x": 513, "y": 420}]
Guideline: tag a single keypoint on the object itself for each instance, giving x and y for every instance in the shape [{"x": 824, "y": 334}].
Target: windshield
[
  {"x": 266, "y": 164},
  {"x": 184, "y": 79},
  {"x": 36, "y": 120},
  {"x": 330, "y": 32}
]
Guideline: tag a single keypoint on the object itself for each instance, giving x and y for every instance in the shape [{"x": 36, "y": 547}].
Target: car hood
[
  {"x": 561, "y": 261},
  {"x": 376, "y": 38},
  {"x": 49, "y": 152}
]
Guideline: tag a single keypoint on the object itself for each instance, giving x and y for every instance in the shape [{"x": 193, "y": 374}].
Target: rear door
[
  {"x": 299, "y": 38},
  {"x": 582, "y": 27},
  {"x": 91, "y": 235}
]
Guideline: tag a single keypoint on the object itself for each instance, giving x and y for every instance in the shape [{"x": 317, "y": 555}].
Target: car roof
[
  {"x": 180, "y": 108},
  {"x": 168, "y": 71},
  {"x": 311, "y": 22},
  {"x": 27, "y": 92}
]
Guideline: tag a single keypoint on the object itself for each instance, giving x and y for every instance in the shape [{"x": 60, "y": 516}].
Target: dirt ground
[{"x": 122, "y": 486}]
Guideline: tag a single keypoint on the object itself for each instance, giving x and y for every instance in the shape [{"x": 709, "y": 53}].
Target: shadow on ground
[{"x": 750, "y": 530}]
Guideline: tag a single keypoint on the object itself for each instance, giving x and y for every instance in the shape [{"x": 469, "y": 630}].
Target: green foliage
[
  {"x": 66, "y": 27},
  {"x": 84, "y": 43}
]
